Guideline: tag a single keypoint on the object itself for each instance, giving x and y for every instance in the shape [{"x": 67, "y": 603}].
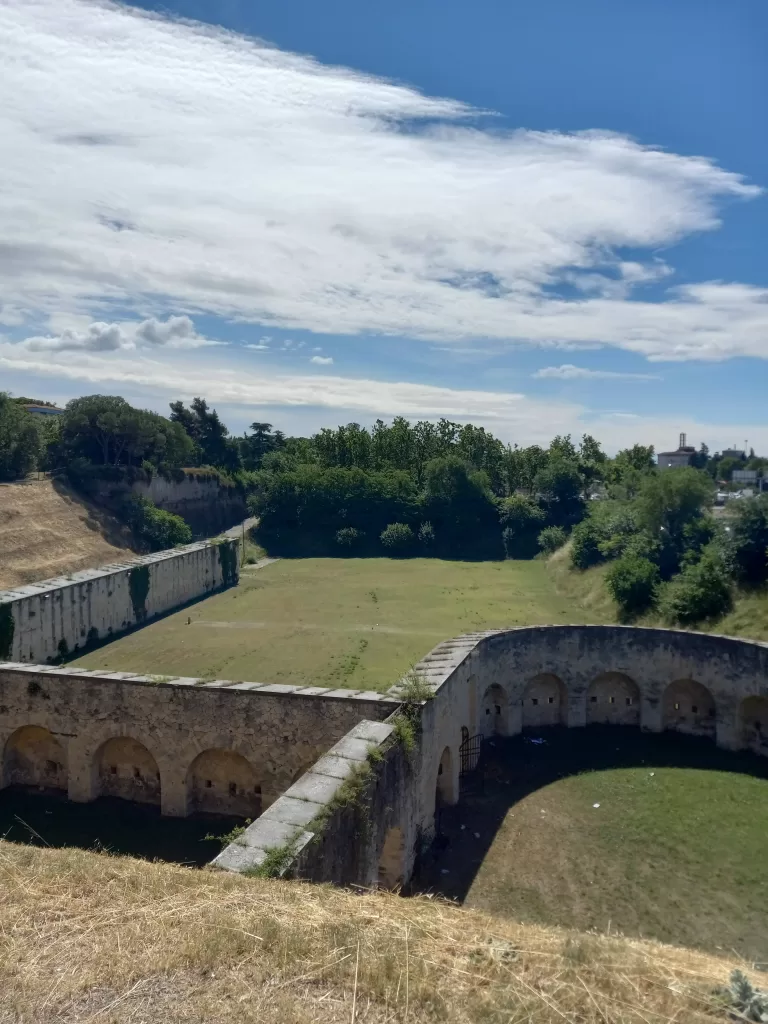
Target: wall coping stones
[{"x": 223, "y": 685}]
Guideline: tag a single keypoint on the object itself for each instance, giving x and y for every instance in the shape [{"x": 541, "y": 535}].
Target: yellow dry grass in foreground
[{"x": 86, "y": 937}]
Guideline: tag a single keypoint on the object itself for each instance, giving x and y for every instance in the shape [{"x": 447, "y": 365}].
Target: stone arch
[
  {"x": 753, "y": 720},
  {"x": 464, "y": 733},
  {"x": 125, "y": 768},
  {"x": 688, "y": 707},
  {"x": 446, "y": 786},
  {"x": 545, "y": 702},
  {"x": 613, "y": 699},
  {"x": 34, "y": 757},
  {"x": 495, "y": 712},
  {"x": 391, "y": 862},
  {"x": 223, "y": 782}
]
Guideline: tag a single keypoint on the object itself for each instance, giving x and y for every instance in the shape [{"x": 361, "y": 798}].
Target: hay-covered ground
[{"x": 86, "y": 937}]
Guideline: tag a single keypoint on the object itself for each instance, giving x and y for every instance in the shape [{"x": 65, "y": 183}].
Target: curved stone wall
[{"x": 504, "y": 681}]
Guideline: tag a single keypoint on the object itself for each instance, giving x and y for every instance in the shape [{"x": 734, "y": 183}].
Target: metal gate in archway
[{"x": 469, "y": 754}]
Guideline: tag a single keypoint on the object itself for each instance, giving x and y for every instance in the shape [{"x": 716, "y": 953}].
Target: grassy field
[
  {"x": 357, "y": 623},
  {"x": 674, "y": 851},
  {"x": 91, "y": 938}
]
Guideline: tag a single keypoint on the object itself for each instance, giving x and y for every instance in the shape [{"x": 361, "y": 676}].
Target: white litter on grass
[
  {"x": 652, "y": 774},
  {"x": 477, "y": 835},
  {"x": 595, "y": 805}
]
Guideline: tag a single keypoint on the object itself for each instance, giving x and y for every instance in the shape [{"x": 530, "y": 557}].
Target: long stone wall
[
  {"x": 182, "y": 744},
  {"x": 41, "y": 622}
]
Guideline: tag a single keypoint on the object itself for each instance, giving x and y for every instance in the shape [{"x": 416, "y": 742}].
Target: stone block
[
  {"x": 337, "y": 767},
  {"x": 266, "y": 833},
  {"x": 352, "y": 748},
  {"x": 319, "y": 788},
  {"x": 373, "y": 732},
  {"x": 291, "y": 811}
]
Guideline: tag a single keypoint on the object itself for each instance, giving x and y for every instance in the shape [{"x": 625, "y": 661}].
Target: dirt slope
[
  {"x": 90, "y": 937},
  {"x": 47, "y": 530}
]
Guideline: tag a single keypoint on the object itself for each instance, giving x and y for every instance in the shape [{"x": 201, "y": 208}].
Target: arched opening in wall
[
  {"x": 493, "y": 719},
  {"x": 613, "y": 699},
  {"x": 545, "y": 702},
  {"x": 753, "y": 719},
  {"x": 391, "y": 866},
  {"x": 689, "y": 707},
  {"x": 34, "y": 757},
  {"x": 126, "y": 769},
  {"x": 223, "y": 782}
]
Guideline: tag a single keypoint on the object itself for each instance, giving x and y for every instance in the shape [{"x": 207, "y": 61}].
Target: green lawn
[
  {"x": 357, "y": 623},
  {"x": 675, "y": 851}
]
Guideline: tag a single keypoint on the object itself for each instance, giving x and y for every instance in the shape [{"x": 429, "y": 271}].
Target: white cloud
[
  {"x": 511, "y": 416},
  {"x": 322, "y": 360},
  {"x": 570, "y": 372},
  {"x": 210, "y": 173},
  {"x": 175, "y": 332}
]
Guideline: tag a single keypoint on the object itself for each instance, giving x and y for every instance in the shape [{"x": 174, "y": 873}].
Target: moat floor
[
  {"x": 359, "y": 623},
  {"x": 675, "y": 849}
]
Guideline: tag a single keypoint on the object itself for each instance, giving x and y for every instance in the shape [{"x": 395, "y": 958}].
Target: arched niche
[
  {"x": 34, "y": 757},
  {"x": 223, "y": 782},
  {"x": 545, "y": 702},
  {"x": 124, "y": 768},
  {"x": 495, "y": 712},
  {"x": 753, "y": 721},
  {"x": 689, "y": 707},
  {"x": 613, "y": 699}
]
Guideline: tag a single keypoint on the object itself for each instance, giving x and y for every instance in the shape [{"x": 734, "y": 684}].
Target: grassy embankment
[{"x": 86, "y": 937}]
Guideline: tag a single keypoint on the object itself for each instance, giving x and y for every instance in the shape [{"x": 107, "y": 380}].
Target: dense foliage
[
  {"x": 21, "y": 440},
  {"x": 154, "y": 526}
]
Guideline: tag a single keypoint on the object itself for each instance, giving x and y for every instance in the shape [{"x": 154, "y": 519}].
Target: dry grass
[
  {"x": 47, "y": 530},
  {"x": 86, "y": 937}
]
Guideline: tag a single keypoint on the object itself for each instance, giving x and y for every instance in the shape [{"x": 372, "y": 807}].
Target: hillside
[
  {"x": 47, "y": 530},
  {"x": 87, "y": 936},
  {"x": 748, "y": 618}
]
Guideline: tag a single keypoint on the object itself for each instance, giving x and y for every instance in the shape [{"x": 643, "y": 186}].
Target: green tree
[
  {"x": 748, "y": 540},
  {"x": 633, "y": 582},
  {"x": 20, "y": 440},
  {"x": 668, "y": 503},
  {"x": 522, "y": 521},
  {"x": 701, "y": 591}
]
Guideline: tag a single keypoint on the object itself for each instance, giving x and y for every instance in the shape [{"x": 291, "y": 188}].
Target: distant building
[
  {"x": 733, "y": 453},
  {"x": 44, "y": 410},
  {"x": 745, "y": 477},
  {"x": 676, "y": 459}
]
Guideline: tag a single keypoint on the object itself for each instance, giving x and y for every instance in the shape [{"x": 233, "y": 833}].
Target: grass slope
[
  {"x": 674, "y": 851},
  {"x": 357, "y": 623},
  {"x": 47, "y": 530},
  {"x": 87, "y": 937}
]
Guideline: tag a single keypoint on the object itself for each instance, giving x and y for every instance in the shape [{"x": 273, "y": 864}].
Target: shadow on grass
[
  {"x": 111, "y": 825},
  {"x": 510, "y": 769}
]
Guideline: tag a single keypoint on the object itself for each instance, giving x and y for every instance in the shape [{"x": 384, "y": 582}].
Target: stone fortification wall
[
  {"x": 41, "y": 622},
  {"x": 183, "y": 744},
  {"x": 207, "y": 506},
  {"x": 500, "y": 683}
]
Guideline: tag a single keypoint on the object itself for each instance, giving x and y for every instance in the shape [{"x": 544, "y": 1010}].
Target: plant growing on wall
[
  {"x": 138, "y": 587},
  {"x": 228, "y": 563},
  {"x": 7, "y": 627}
]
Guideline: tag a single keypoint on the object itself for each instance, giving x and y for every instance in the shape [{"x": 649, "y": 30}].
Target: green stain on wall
[
  {"x": 7, "y": 627},
  {"x": 138, "y": 586},
  {"x": 228, "y": 562}
]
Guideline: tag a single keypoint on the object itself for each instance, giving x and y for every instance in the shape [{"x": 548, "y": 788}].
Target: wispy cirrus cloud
[
  {"x": 570, "y": 372},
  {"x": 211, "y": 173},
  {"x": 322, "y": 360}
]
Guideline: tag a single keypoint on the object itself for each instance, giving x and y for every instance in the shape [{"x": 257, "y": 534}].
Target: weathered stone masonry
[
  {"x": 183, "y": 744},
  {"x": 41, "y": 622},
  {"x": 240, "y": 748}
]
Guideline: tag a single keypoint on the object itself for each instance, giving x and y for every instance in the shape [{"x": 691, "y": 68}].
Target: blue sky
[{"x": 543, "y": 217}]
